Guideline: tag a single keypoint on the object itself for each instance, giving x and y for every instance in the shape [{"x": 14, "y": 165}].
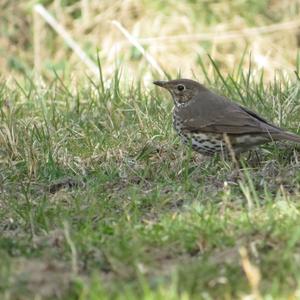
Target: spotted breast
[{"x": 206, "y": 144}]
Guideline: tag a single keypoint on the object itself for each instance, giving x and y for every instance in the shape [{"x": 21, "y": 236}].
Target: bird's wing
[
  {"x": 256, "y": 116},
  {"x": 209, "y": 112}
]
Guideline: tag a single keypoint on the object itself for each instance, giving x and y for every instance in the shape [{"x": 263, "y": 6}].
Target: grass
[
  {"x": 99, "y": 199},
  {"x": 167, "y": 30}
]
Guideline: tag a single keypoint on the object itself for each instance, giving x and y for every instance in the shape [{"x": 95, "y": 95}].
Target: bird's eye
[{"x": 180, "y": 87}]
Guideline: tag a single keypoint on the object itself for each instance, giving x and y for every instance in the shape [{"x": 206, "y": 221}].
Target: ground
[{"x": 100, "y": 200}]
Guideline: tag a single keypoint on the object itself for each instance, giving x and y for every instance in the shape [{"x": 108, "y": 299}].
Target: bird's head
[{"x": 182, "y": 90}]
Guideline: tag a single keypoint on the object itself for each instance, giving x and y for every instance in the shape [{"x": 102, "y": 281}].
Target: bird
[{"x": 211, "y": 123}]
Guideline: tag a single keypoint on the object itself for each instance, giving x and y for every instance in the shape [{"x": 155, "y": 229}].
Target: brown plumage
[{"x": 203, "y": 118}]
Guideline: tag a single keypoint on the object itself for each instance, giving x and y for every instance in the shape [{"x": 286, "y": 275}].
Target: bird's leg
[
  {"x": 231, "y": 153},
  {"x": 254, "y": 162},
  {"x": 258, "y": 158},
  {"x": 228, "y": 153}
]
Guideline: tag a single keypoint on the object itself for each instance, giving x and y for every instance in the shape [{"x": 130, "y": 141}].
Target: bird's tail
[{"x": 289, "y": 137}]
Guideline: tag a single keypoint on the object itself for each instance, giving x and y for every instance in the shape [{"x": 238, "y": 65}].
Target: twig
[
  {"x": 67, "y": 38},
  {"x": 230, "y": 149},
  {"x": 85, "y": 10},
  {"x": 138, "y": 46},
  {"x": 72, "y": 247},
  {"x": 221, "y": 36},
  {"x": 252, "y": 273},
  {"x": 37, "y": 43}
]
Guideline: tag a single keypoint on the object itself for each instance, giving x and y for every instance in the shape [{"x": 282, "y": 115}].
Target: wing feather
[{"x": 212, "y": 113}]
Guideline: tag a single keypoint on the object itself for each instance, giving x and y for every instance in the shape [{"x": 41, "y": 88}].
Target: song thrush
[{"x": 214, "y": 124}]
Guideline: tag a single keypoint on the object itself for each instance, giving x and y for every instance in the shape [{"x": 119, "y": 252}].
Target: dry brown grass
[{"x": 174, "y": 33}]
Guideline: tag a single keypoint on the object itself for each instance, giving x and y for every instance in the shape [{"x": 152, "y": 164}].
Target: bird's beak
[{"x": 160, "y": 83}]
